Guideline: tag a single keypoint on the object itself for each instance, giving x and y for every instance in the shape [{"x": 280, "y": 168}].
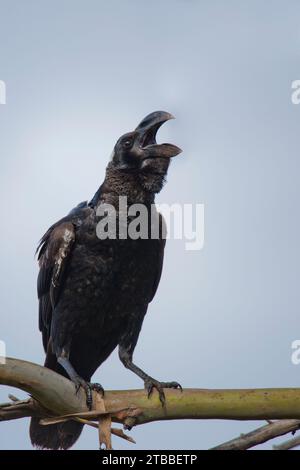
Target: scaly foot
[
  {"x": 88, "y": 388},
  {"x": 151, "y": 383}
]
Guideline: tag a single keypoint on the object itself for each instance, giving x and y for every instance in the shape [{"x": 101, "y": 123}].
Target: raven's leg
[
  {"x": 125, "y": 355},
  {"x": 64, "y": 361}
]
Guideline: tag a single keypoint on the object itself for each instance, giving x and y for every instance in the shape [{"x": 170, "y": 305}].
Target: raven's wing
[
  {"x": 54, "y": 254},
  {"x": 54, "y": 251}
]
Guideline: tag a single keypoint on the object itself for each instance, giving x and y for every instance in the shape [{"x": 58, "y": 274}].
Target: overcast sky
[{"x": 81, "y": 73}]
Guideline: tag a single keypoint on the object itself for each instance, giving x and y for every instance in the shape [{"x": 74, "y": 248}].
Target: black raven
[{"x": 94, "y": 291}]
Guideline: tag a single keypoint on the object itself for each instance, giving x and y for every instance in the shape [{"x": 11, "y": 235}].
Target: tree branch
[
  {"x": 260, "y": 435},
  {"x": 287, "y": 445},
  {"x": 52, "y": 395}
]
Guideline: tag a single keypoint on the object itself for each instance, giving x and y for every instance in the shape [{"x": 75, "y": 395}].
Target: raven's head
[{"x": 137, "y": 152}]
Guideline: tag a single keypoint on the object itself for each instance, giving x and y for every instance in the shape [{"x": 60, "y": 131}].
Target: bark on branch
[{"x": 54, "y": 396}]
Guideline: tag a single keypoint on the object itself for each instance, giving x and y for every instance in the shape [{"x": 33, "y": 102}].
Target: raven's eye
[{"x": 127, "y": 143}]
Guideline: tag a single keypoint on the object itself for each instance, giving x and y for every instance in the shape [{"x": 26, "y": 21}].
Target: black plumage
[{"x": 93, "y": 294}]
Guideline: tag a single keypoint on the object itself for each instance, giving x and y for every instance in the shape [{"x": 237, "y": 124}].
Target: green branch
[{"x": 54, "y": 395}]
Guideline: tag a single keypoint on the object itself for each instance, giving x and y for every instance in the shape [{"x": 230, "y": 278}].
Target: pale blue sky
[{"x": 81, "y": 73}]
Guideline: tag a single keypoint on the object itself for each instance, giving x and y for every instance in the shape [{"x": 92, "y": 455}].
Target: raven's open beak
[{"x": 147, "y": 131}]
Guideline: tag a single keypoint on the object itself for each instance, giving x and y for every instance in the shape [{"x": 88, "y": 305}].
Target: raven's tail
[{"x": 54, "y": 436}]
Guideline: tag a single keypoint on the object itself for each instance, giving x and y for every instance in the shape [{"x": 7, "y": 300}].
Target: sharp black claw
[
  {"x": 149, "y": 388},
  {"x": 162, "y": 397}
]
